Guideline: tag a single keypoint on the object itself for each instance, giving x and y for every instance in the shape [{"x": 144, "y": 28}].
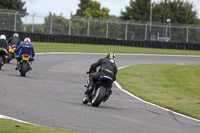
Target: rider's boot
[
  {"x": 89, "y": 89},
  {"x": 89, "y": 86},
  {"x": 17, "y": 66}
]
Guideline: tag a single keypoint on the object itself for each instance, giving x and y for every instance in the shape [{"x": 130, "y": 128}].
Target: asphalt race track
[{"x": 51, "y": 95}]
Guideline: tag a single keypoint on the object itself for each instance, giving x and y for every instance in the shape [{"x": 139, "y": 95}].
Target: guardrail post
[
  {"x": 126, "y": 30},
  {"x": 107, "y": 28},
  {"x": 15, "y": 24},
  {"x": 187, "y": 34},
  {"x": 33, "y": 22},
  {"x": 88, "y": 30},
  {"x": 51, "y": 26},
  {"x": 70, "y": 26},
  {"x": 146, "y": 31}
]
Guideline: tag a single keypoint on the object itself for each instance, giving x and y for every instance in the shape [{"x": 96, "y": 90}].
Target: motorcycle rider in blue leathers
[{"x": 25, "y": 48}]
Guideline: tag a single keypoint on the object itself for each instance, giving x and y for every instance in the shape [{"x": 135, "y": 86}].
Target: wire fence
[{"x": 111, "y": 28}]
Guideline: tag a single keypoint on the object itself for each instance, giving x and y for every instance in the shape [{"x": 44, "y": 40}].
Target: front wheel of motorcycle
[
  {"x": 99, "y": 96},
  {"x": 24, "y": 69}
]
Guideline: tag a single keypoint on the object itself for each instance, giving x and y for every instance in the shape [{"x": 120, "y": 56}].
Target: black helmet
[{"x": 110, "y": 55}]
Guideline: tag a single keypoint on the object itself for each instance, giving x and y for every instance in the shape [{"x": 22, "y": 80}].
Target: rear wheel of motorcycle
[
  {"x": 99, "y": 96},
  {"x": 1, "y": 62},
  {"x": 24, "y": 69}
]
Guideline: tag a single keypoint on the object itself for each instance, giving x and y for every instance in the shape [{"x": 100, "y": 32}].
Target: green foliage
[
  {"x": 91, "y": 9},
  {"x": 38, "y": 28},
  {"x": 138, "y": 10},
  {"x": 59, "y": 24},
  {"x": 97, "y": 29},
  {"x": 7, "y": 19},
  {"x": 177, "y": 10},
  {"x": 79, "y": 28},
  {"x": 84, "y": 4},
  {"x": 16, "y": 5},
  {"x": 11, "y": 6}
]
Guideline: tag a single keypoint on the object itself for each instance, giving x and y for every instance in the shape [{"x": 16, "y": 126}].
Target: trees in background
[
  {"x": 88, "y": 10},
  {"x": 92, "y": 9},
  {"x": 16, "y": 5},
  {"x": 137, "y": 10},
  {"x": 178, "y": 11},
  {"x": 11, "y": 6},
  {"x": 181, "y": 12},
  {"x": 58, "y": 22}
]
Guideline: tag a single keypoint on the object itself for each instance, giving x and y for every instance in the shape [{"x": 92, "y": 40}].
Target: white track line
[
  {"x": 116, "y": 83},
  {"x": 10, "y": 118}
]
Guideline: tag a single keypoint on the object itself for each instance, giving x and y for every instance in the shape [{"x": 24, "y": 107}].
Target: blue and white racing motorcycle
[{"x": 101, "y": 91}]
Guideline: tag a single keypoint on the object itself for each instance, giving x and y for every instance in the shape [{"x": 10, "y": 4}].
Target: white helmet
[
  {"x": 15, "y": 35},
  {"x": 3, "y": 37},
  {"x": 27, "y": 40}
]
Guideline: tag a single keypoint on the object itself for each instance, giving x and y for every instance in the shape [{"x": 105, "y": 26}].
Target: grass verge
[
  {"x": 67, "y": 47},
  {"x": 10, "y": 126},
  {"x": 176, "y": 87}
]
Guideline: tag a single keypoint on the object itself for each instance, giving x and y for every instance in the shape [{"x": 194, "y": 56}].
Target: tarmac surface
[{"x": 51, "y": 95}]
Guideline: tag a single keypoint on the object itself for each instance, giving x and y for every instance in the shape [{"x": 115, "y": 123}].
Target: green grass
[
  {"x": 10, "y": 126},
  {"x": 66, "y": 47},
  {"x": 176, "y": 87}
]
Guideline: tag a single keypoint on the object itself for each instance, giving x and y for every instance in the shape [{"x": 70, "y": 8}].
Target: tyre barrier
[{"x": 41, "y": 37}]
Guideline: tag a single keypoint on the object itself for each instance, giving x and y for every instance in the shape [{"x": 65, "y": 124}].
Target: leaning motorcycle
[
  {"x": 24, "y": 65},
  {"x": 101, "y": 91},
  {"x": 3, "y": 56},
  {"x": 11, "y": 52}
]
